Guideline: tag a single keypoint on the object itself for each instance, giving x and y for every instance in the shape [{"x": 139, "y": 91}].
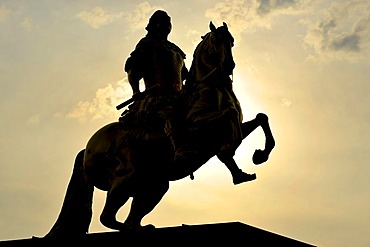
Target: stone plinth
[{"x": 231, "y": 234}]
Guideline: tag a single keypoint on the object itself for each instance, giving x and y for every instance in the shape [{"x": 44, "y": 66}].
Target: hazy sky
[{"x": 304, "y": 63}]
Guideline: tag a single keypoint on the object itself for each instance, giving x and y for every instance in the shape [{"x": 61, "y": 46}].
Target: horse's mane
[{"x": 205, "y": 45}]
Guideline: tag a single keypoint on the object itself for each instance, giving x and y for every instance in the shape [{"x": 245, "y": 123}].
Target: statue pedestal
[{"x": 232, "y": 233}]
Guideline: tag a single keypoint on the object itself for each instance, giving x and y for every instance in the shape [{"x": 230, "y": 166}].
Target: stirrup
[{"x": 184, "y": 155}]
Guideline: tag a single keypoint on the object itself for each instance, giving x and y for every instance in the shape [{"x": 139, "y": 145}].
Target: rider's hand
[{"x": 136, "y": 96}]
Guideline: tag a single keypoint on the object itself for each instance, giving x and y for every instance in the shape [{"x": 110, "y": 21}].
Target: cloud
[
  {"x": 97, "y": 17},
  {"x": 270, "y": 6},
  {"x": 34, "y": 119},
  {"x": 238, "y": 14},
  {"x": 18, "y": 17},
  {"x": 343, "y": 32},
  {"x": 348, "y": 42},
  {"x": 139, "y": 17},
  {"x": 4, "y": 13},
  {"x": 27, "y": 24},
  {"x": 103, "y": 105},
  {"x": 249, "y": 15},
  {"x": 285, "y": 102}
]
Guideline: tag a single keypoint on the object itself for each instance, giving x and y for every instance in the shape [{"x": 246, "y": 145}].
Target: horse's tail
[{"x": 75, "y": 216}]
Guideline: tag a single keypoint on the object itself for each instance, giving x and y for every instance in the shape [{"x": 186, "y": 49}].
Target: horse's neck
[{"x": 200, "y": 71}]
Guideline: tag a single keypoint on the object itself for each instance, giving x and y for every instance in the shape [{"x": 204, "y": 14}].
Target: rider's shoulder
[
  {"x": 177, "y": 49},
  {"x": 141, "y": 46},
  {"x": 146, "y": 42}
]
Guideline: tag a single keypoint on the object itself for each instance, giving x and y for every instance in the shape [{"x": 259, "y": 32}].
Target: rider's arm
[
  {"x": 184, "y": 72},
  {"x": 132, "y": 68},
  {"x": 134, "y": 82}
]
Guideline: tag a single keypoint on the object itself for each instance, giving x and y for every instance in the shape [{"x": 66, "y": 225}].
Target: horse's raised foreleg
[
  {"x": 261, "y": 119},
  {"x": 226, "y": 154},
  {"x": 237, "y": 174}
]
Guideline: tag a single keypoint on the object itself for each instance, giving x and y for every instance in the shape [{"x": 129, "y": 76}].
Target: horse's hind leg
[
  {"x": 115, "y": 199},
  {"x": 144, "y": 201}
]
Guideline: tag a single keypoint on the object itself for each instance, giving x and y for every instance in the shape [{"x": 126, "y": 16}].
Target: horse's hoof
[
  {"x": 262, "y": 117},
  {"x": 148, "y": 227},
  {"x": 259, "y": 157},
  {"x": 243, "y": 177},
  {"x": 129, "y": 227}
]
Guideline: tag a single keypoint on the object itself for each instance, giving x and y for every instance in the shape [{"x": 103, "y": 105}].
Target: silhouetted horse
[{"x": 136, "y": 161}]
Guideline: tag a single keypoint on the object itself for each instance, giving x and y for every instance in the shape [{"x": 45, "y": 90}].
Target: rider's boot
[{"x": 182, "y": 153}]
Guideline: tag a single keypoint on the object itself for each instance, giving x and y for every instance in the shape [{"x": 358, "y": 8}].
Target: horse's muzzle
[{"x": 229, "y": 67}]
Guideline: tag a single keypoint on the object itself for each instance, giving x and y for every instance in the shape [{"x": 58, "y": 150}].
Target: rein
[
  {"x": 212, "y": 71},
  {"x": 208, "y": 75}
]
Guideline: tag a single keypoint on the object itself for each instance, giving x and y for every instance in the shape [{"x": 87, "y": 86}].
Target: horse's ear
[
  {"x": 225, "y": 25},
  {"x": 212, "y": 27}
]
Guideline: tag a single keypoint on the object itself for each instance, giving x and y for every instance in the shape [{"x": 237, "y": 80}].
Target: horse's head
[
  {"x": 221, "y": 43},
  {"x": 213, "y": 54}
]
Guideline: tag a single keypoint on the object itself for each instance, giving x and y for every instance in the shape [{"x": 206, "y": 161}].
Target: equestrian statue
[{"x": 181, "y": 120}]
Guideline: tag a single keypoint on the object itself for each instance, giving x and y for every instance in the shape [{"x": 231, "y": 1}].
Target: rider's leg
[
  {"x": 172, "y": 131},
  {"x": 175, "y": 131},
  {"x": 144, "y": 201}
]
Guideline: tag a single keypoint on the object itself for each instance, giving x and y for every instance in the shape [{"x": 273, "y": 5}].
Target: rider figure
[{"x": 160, "y": 63}]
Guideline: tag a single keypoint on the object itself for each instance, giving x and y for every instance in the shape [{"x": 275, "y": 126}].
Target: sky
[{"x": 304, "y": 63}]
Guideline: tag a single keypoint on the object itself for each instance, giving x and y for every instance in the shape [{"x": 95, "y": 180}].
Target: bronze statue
[{"x": 133, "y": 157}]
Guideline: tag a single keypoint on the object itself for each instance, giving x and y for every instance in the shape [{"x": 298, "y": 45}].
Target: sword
[{"x": 136, "y": 97}]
